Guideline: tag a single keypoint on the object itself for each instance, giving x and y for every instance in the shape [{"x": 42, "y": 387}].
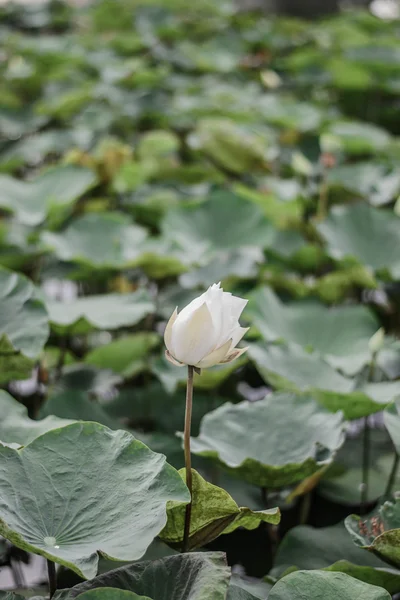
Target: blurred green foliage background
[{"x": 149, "y": 149}]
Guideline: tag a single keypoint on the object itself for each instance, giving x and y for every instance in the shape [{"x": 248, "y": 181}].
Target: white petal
[
  {"x": 234, "y": 355},
  {"x": 191, "y": 307},
  {"x": 214, "y": 299},
  {"x": 231, "y": 308},
  {"x": 173, "y": 360},
  {"x": 237, "y": 306},
  {"x": 215, "y": 357},
  {"x": 168, "y": 329},
  {"x": 237, "y": 335},
  {"x": 194, "y": 337},
  {"x": 228, "y": 323}
]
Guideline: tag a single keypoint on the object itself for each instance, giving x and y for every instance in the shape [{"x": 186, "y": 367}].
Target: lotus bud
[{"x": 206, "y": 332}]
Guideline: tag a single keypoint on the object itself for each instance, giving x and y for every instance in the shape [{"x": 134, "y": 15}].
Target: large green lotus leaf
[
  {"x": 99, "y": 240},
  {"x": 388, "y": 358},
  {"x": 379, "y": 532},
  {"x": 291, "y": 245},
  {"x": 126, "y": 355},
  {"x": 289, "y": 367},
  {"x": 256, "y": 588},
  {"x": 157, "y": 143},
  {"x": 392, "y": 422},
  {"x": 314, "y": 585},
  {"x": 280, "y": 199},
  {"x": 214, "y": 512},
  {"x": 164, "y": 443},
  {"x": 45, "y": 487},
  {"x": 15, "y": 425},
  {"x": 331, "y": 549},
  {"x": 366, "y": 233},
  {"x": 35, "y": 148},
  {"x": 389, "y": 579},
  {"x": 357, "y": 137},
  {"x": 339, "y": 334},
  {"x": 235, "y": 264},
  {"x": 289, "y": 112},
  {"x": 293, "y": 437},
  {"x": 372, "y": 181},
  {"x": 221, "y": 53},
  {"x": 23, "y": 317},
  {"x": 31, "y": 201},
  {"x": 111, "y": 594},
  {"x": 237, "y": 593},
  {"x": 233, "y": 147},
  {"x": 160, "y": 258},
  {"x": 189, "y": 576},
  {"x": 107, "y": 311},
  {"x": 24, "y": 325},
  {"x": 224, "y": 222},
  {"x": 18, "y": 122}
]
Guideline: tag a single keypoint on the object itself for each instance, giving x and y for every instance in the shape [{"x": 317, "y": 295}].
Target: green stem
[
  {"x": 51, "y": 570},
  {"x": 305, "y": 509},
  {"x": 392, "y": 476},
  {"x": 188, "y": 461},
  {"x": 365, "y": 467},
  {"x": 322, "y": 209}
]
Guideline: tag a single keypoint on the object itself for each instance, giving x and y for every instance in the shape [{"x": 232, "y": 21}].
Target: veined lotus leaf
[
  {"x": 15, "y": 425},
  {"x": 189, "y": 576},
  {"x": 99, "y": 241},
  {"x": 315, "y": 585},
  {"x": 379, "y": 532},
  {"x": 224, "y": 222},
  {"x": 214, "y": 512},
  {"x": 365, "y": 233},
  {"x": 111, "y": 594},
  {"x": 293, "y": 437},
  {"x": 83, "y": 490},
  {"x": 107, "y": 311},
  {"x": 31, "y": 201},
  {"x": 290, "y": 367},
  {"x": 392, "y": 422},
  {"x": 24, "y": 325},
  {"x": 340, "y": 334}
]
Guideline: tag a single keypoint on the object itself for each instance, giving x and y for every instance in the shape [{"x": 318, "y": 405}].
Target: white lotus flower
[{"x": 205, "y": 333}]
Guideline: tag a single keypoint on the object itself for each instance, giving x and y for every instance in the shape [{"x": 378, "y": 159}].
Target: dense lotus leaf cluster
[{"x": 149, "y": 149}]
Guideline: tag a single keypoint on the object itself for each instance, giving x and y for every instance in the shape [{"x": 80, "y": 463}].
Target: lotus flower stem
[
  {"x": 392, "y": 476},
  {"x": 188, "y": 461},
  {"x": 51, "y": 570}
]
